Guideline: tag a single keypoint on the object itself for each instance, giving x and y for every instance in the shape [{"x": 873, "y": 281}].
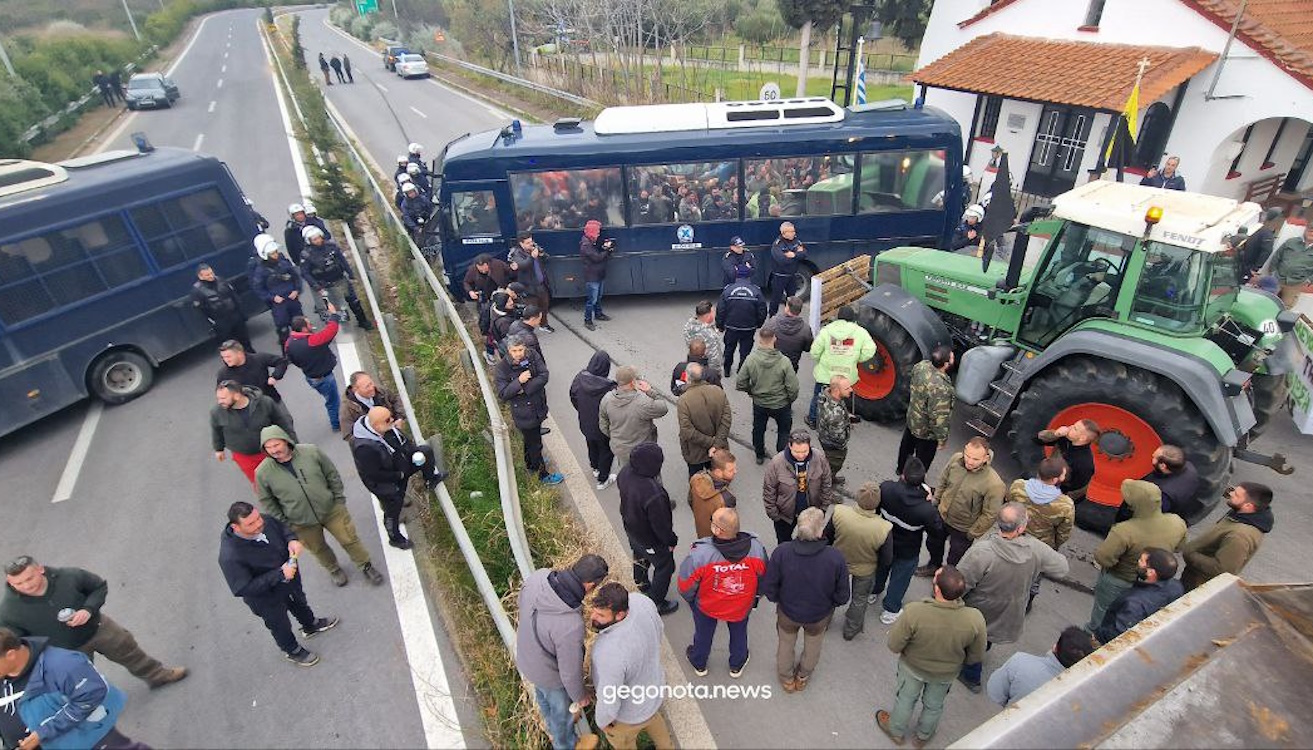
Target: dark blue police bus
[
  {"x": 97, "y": 257},
  {"x": 673, "y": 183}
]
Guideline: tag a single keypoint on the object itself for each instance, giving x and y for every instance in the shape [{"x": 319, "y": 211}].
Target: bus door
[{"x": 477, "y": 219}]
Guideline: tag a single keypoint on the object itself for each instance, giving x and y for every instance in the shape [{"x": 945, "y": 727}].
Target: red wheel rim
[
  {"x": 1133, "y": 437},
  {"x": 876, "y": 378}
]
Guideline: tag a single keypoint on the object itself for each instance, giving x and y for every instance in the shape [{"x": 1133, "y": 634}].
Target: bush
[
  {"x": 385, "y": 29},
  {"x": 361, "y": 26},
  {"x": 764, "y": 24},
  {"x": 298, "y": 51}
]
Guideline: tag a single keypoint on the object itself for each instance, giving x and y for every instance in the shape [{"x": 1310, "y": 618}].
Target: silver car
[{"x": 151, "y": 90}]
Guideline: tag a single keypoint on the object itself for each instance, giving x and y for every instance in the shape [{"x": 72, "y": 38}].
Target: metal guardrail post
[
  {"x": 441, "y": 317},
  {"x": 408, "y": 375}
]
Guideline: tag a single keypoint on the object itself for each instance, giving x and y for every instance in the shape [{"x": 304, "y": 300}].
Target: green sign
[{"x": 366, "y": 6}]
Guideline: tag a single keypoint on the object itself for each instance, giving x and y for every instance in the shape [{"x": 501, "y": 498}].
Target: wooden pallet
[{"x": 841, "y": 286}]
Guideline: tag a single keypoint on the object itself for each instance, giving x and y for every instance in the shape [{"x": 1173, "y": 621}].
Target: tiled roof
[
  {"x": 1081, "y": 74},
  {"x": 1281, "y": 30}
]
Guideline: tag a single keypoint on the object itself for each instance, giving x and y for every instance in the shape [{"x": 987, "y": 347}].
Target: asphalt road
[
  {"x": 150, "y": 500},
  {"x": 853, "y": 678}
]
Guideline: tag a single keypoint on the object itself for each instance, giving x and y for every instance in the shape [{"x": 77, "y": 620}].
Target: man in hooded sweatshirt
[
  {"x": 719, "y": 580},
  {"x": 549, "y": 641},
  {"x": 793, "y": 335},
  {"x": 865, "y": 541},
  {"x": 521, "y": 381},
  {"x": 1052, "y": 514},
  {"x": 1119, "y": 554},
  {"x": 645, "y": 510},
  {"x": 708, "y": 490},
  {"x": 1234, "y": 540},
  {"x": 999, "y": 570},
  {"x": 626, "y": 667},
  {"x": 807, "y": 579},
  {"x": 300, "y": 486},
  {"x": 767, "y": 377},
  {"x": 236, "y": 421},
  {"x": 798, "y": 477},
  {"x": 704, "y": 420},
  {"x": 586, "y": 393},
  {"x": 386, "y": 458},
  {"x": 627, "y": 415},
  {"x": 1155, "y": 587}
]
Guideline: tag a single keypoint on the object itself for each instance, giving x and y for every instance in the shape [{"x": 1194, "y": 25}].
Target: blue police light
[
  {"x": 143, "y": 143},
  {"x": 517, "y": 128}
]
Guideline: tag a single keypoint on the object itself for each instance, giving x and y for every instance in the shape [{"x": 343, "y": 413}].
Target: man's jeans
[
  {"x": 783, "y": 417},
  {"x": 912, "y": 687},
  {"x": 816, "y": 400},
  {"x": 704, "y": 631},
  {"x": 554, "y": 705},
  {"x": 327, "y": 387},
  {"x": 899, "y": 575},
  {"x": 1106, "y": 590},
  {"x": 593, "y": 302}
]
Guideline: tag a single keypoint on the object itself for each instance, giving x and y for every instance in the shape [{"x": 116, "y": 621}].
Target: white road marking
[
  {"x": 223, "y": 69},
  {"x": 381, "y": 87},
  {"x": 421, "y": 114},
  {"x": 225, "y": 55},
  {"x": 69, "y": 479},
  {"x": 302, "y": 179},
  {"x": 212, "y": 105},
  {"x": 218, "y": 84},
  {"x": 200, "y": 138}
]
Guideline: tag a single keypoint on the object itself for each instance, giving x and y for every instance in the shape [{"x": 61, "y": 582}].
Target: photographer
[
  {"x": 529, "y": 267},
  {"x": 595, "y": 251},
  {"x": 506, "y": 308}
]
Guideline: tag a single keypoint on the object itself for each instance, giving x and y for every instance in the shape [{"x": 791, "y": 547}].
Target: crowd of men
[{"x": 987, "y": 542}]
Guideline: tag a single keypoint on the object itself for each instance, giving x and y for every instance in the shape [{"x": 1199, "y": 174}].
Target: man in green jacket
[
  {"x": 768, "y": 377},
  {"x": 840, "y": 346},
  {"x": 864, "y": 538},
  {"x": 1118, "y": 556},
  {"x": 1292, "y": 264},
  {"x": 929, "y": 408},
  {"x": 969, "y": 495},
  {"x": 300, "y": 486},
  {"x": 934, "y": 638},
  {"x": 1234, "y": 540}
]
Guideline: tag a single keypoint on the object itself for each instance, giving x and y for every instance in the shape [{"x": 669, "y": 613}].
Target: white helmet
[
  {"x": 295, "y": 209},
  {"x": 402, "y": 159},
  {"x": 413, "y": 168},
  {"x": 974, "y": 211},
  {"x": 415, "y": 148},
  {"x": 265, "y": 246},
  {"x": 310, "y": 209},
  {"x": 966, "y": 173},
  {"x": 311, "y": 232},
  {"x": 409, "y": 187},
  {"x": 403, "y": 179}
]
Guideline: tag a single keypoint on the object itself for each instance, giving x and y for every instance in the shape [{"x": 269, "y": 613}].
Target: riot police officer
[
  {"x": 218, "y": 302},
  {"x": 278, "y": 283},
  {"x": 329, "y": 274}
]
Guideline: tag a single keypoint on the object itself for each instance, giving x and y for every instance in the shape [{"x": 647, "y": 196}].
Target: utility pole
[
  {"x": 131, "y": 20},
  {"x": 4, "y": 57},
  {"x": 515, "y": 40}
]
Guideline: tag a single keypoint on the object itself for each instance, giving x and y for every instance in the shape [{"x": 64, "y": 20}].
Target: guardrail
[
  {"x": 522, "y": 82},
  {"x": 78, "y": 104},
  {"x": 507, "y": 486}
]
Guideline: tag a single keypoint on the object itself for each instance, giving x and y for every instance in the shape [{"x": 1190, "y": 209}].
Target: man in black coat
[
  {"x": 904, "y": 503},
  {"x": 521, "y": 381},
  {"x": 1155, "y": 587},
  {"x": 595, "y": 251},
  {"x": 646, "y": 511},
  {"x": 739, "y": 313},
  {"x": 1178, "y": 479},
  {"x": 218, "y": 302},
  {"x": 527, "y": 326},
  {"x": 260, "y": 370},
  {"x": 258, "y": 557},
  {"x": 586, "y": 392},
  {"x": 385, "y": 459},
  {"x": 485, "y": 276},
  {"x": 1258, "y": 248}
]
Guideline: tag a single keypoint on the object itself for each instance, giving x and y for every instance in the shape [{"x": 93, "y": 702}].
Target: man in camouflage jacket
[
  {"x": 833, "y": 425},
  {"x": 929, "y": 408},
  {"x": 702, "y": 325}
]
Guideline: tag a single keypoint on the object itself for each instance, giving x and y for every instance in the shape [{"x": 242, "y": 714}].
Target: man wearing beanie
[{"x": 864, "y": 539}]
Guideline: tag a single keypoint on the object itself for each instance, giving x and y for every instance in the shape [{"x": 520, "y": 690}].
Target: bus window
[
  {"x": 900, "y": 181},
  {"x": 689, "y": 192},
  {"x": 783, "y": 187},
  {"x": 565, "y": 199},
  {"x": 186, "y": 228},
  {"x": 475, "y": 213}
]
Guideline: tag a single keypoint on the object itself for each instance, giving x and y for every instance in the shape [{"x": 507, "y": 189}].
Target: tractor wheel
[
  {"x": 1136, "y": 410},
  {"x": 1269, "y": 396},
  {"x": 881, "y": 390}
]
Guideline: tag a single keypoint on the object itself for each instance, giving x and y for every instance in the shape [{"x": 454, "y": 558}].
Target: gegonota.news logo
[{"x": 640, "y": 694}]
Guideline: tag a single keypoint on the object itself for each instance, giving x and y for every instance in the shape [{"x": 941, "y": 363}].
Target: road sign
[
  {"x": 770, "y": 91},
  {"x": 366, "y": 6}
]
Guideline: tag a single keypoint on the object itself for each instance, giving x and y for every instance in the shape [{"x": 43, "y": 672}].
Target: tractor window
[
  {"x": 1172, "y": 287},
  {"x": 1079, "y": 279}
]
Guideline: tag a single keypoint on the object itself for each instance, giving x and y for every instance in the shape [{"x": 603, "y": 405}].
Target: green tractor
[{"x": 1133, "y": 315}]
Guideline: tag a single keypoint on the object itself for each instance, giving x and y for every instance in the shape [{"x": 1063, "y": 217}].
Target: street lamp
[{"x": 515, "y": 39}]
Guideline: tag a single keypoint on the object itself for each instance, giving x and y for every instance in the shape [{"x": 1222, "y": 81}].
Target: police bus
[
  {"x": 97, "y": 257},
  {"x": 673, "y": 183}
]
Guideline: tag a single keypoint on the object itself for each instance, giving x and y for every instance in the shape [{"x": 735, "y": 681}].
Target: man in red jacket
[
  {"x": 719, "y": 579},
  {"x": 312, "y": 351}
]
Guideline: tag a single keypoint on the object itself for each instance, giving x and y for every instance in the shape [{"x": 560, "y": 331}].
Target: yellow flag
[{"x": 1130, "y": 114}]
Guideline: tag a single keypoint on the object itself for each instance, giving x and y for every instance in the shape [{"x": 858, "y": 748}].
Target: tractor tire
[
  {"x": 1269, "y": 396},
  {"x": 882, "y": 389},
  {"x": 1137, "y": 411}
]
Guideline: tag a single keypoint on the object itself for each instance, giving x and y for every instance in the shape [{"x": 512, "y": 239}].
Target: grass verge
[{"x": 447, "y": 401}]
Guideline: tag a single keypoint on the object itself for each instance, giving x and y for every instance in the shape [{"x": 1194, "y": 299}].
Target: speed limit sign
[{"x": 769, "y": 92}]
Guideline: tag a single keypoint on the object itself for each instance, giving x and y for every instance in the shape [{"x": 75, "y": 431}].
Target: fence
[{"x": 780, "y": 57}]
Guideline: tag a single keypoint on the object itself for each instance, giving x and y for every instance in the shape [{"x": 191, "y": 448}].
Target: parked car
[
  {"x": 412, "y": 66},
  {"x": 151, "y": 90},
  {"x": 390, "y": 55}
]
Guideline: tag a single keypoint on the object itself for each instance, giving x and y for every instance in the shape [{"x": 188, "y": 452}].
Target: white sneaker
[
  {"x": 872, "y": 599},
  {"x": 889, "y": 618},
  {"x": 607, "y": 483}
]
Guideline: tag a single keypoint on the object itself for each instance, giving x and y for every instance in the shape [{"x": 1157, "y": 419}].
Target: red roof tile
[
  {"x": 1082, "y": 74},
  {"x": 1281, "y": 30}
]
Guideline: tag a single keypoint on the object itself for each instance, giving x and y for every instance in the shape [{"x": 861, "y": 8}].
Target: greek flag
[{"x": 861, "y": 81}]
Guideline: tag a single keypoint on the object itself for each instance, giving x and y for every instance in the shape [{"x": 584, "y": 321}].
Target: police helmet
[
  {"x": 310, "y": 209},
  {"x": 974, "y": 211},
  {"x": 311, "y": 232},
  {"x": 294, "y": 209},
  {"x": 265, "y": 246},
  {"x": 413, "y": 168},
  {"x": 415, "y": 148}
]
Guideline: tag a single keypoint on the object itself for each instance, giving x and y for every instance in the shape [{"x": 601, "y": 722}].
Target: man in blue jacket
[
  {"x": 55, "y": 698},
  {"x": 739, "y": 313},
  {"x": 278, "y": 283},
  {"x": 258, "y": 557}
]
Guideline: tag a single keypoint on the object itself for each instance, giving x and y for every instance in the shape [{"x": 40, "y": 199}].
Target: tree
[
  {"x": 904, "y": 20},
  {"x": 809, "y": 15}
]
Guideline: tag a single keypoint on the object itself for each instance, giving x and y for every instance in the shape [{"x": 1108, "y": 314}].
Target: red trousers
[{"x": 248, "y": 462}]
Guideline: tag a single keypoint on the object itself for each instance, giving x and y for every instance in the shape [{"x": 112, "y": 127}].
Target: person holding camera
[
  {"x": 386, "y": 458},
  {"x": 312, "y": 351},
  {"x": 595, "y": 251},
  {"x": 529, "y": 267},
  {"x": 329, "y": 274}
]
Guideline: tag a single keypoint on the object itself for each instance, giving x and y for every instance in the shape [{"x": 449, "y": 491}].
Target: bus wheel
[
  {"x": 120, "y": 376},
  {"x": 802, "y": 281}
]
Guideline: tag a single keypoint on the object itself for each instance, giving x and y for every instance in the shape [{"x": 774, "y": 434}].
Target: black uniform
[
  {"x": 783, "y": 281},
  {"x": 294, "y": 241},
  {"x": 218, "y": 302},
  {"x": 739, "y": 313}
]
